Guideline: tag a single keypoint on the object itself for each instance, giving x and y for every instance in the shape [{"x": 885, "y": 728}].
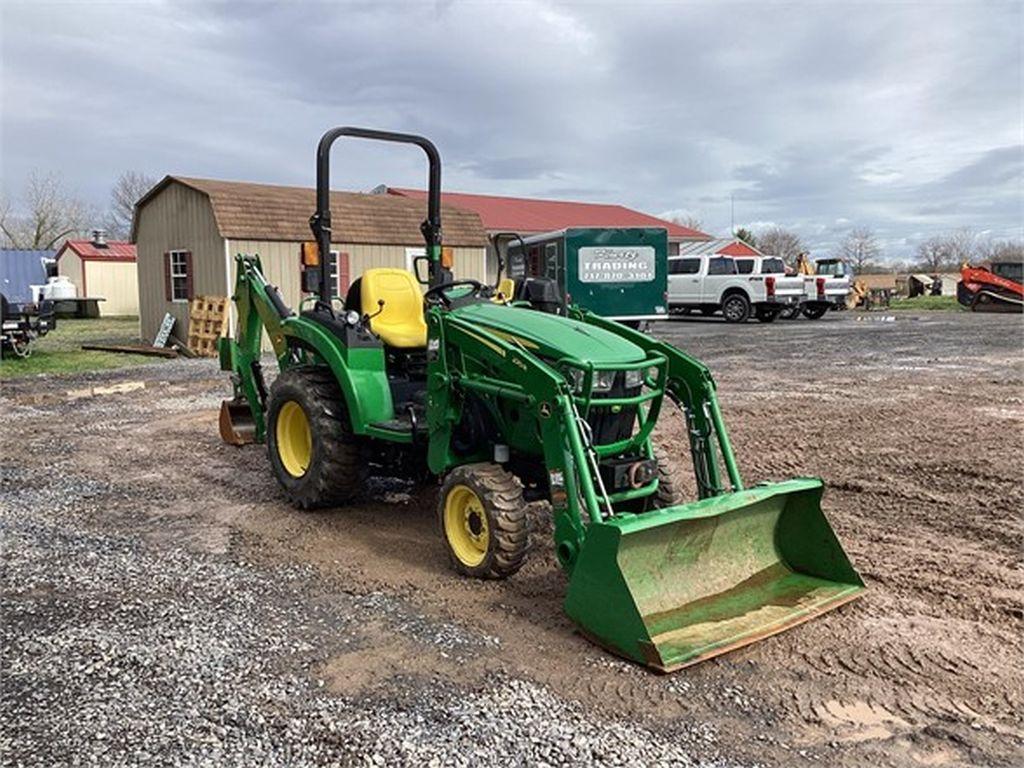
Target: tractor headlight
[
  {"x": 352, "y": 317},
  {"x": 575, "y": 378},
  {"x": 603, "y": 380},
  {"x": 634, "y": 378}
]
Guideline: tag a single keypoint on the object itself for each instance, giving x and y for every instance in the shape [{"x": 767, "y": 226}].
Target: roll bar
[{"x": 320, "y": 222}]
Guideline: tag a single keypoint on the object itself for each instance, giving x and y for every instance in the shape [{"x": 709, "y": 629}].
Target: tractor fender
[{"x": 360, "y": 372}]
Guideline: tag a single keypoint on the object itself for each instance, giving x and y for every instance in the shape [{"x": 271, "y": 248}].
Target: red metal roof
[
  {"x": 87, "y": 250},
  {"x": 738, "y": 248},
  {"x": 527, "y": 215}
]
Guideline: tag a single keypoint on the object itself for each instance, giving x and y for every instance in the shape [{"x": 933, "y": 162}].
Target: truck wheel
[
  {"x": 791, "y": 312},
  {"x": 671, "y": 480},
  {"x": 766, "y": 314},
  {"x": 482, "y": 515},
  {"x": 814, "y": 313},
  {"x": 313, "y": 453},
  {"x": 736, "y": 308}
]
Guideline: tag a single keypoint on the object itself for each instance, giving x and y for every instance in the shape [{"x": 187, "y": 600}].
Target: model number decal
[{"x": 616, "y": 264}]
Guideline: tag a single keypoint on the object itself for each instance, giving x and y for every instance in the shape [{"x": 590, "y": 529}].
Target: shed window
[{"x": 178, "y": 275}]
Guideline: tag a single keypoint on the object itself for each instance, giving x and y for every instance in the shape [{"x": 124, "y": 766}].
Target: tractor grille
[{"x": 607, "y": 425}]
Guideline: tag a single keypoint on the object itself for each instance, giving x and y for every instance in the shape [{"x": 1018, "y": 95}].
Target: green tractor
[{"x": 503, "y": 405}]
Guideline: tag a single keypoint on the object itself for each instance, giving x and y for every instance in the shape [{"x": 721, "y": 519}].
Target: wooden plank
[{"x": 132, "y": 349}]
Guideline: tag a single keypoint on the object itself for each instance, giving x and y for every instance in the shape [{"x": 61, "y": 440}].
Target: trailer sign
[{"x": 616, "y": 264}]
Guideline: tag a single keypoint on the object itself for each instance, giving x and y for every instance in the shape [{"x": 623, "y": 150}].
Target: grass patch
[
  {"x": 60, "y": 351},
  {"x": 926, "y": 303}
]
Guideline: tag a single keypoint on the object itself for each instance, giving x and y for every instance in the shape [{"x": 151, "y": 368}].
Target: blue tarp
[{"x": 19, "y": 270}]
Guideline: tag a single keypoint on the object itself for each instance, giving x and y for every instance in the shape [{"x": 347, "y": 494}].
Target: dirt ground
[{"x": 915, "y": 422}]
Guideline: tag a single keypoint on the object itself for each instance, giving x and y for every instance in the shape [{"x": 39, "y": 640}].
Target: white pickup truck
[
  {"x": 738, "y": 286},
  {"x": 827, "y": 288}
]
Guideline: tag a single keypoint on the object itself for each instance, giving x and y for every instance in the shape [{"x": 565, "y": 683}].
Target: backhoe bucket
[
  {"x": 672, "y": 587},
  {"x": 236, "y": 423}
]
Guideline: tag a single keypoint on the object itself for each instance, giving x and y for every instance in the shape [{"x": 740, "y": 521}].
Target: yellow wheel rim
[
  {"x": 465, "y": 525},
  {"x": 294, "y": 439}
]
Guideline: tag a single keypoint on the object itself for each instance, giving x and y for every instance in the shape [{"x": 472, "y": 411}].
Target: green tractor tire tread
[
  {"x": 501, "y": 493},
  {"x": 338, "y": 471},
  {"x": 671, "y": 480}
]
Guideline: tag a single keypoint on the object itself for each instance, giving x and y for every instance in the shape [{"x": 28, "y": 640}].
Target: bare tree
[
  {"x": 688, "y": 220},
  {"x": 859, "y": 248},
  {"x": 1008, "y": 250},
  {"x": 933, "y": 254},
  {"x": 953, "y": 249},
  {"x": 780, "y": 242},
  {"x": 51, "y": 214},
  {"x": 960, "y": 246},
  {"x": 130, "y": 186}
]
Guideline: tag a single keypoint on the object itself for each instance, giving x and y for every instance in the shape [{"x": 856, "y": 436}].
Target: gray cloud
[{"x": 903, "y": 117}]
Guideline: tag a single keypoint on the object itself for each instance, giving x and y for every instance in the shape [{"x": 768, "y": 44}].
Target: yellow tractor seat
[
  {"x": 400, "y": 323},
  {"x": 506, "y": 288}
]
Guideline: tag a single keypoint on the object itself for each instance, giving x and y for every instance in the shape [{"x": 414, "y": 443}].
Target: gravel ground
[
  {"x": 162, "y": 605},
  {"x": 117, "y": 652}
]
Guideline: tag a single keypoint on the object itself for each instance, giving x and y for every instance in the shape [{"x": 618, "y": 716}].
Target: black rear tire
[
  {"x": 767, "y": 314},
  {"x": 736, "y": 308},
  {"x": 336, "y": 470},
  {"x": 496, "y": 536},
  {"x": 792, "y": 312},
  {"x": 814, "y": 313}
]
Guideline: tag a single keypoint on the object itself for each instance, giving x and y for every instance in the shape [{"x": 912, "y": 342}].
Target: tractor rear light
[
  {"x": 769, "y": 284},
  {"x": 310, "y": 255},
  {"x": 447, "y": 257},
  {"x": 821, "y": 287}
]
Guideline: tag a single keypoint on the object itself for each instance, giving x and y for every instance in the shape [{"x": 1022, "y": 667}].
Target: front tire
[
  {"x": 312, "y": 451},
  {"x": 482, "y": 516},
  {"x": 792, "y": 312},
  {"x": 671, "y": 480},
  {"x": 736, "y": 308}
]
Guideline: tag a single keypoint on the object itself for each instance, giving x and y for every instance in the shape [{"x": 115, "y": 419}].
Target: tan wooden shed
[
  {"x": 187, "y": 232},
  {"x": 104, "y": 269}
]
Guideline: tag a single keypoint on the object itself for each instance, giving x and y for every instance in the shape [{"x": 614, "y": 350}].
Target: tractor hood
[{"x": 551, "y": 336}]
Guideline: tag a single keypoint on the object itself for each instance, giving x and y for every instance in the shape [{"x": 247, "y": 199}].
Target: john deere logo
[{"x": 545, "y": 411}]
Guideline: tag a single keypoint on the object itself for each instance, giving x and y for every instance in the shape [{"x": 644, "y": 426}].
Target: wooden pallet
[{"x": 207, "y": 320}]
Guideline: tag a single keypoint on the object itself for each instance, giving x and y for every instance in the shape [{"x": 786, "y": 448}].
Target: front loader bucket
[
  {"x": 672, "y": 587},
  {"x": 236, "y": 423}
]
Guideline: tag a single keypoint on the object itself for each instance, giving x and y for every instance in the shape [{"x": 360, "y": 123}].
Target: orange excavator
[{"x": 997, "y": 288}]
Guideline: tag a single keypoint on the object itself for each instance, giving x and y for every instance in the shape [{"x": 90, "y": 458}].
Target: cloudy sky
[{"x": 904, "y": 117}]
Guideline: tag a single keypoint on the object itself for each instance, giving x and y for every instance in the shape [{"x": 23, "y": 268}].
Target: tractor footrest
[{"x": 395, "y": 425}]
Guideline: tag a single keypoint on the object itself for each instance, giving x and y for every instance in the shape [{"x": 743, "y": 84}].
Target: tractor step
[{"x": 408, "y": 423}]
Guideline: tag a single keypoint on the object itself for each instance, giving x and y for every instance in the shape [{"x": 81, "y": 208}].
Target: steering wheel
[{"x": 436, "y": 295}]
